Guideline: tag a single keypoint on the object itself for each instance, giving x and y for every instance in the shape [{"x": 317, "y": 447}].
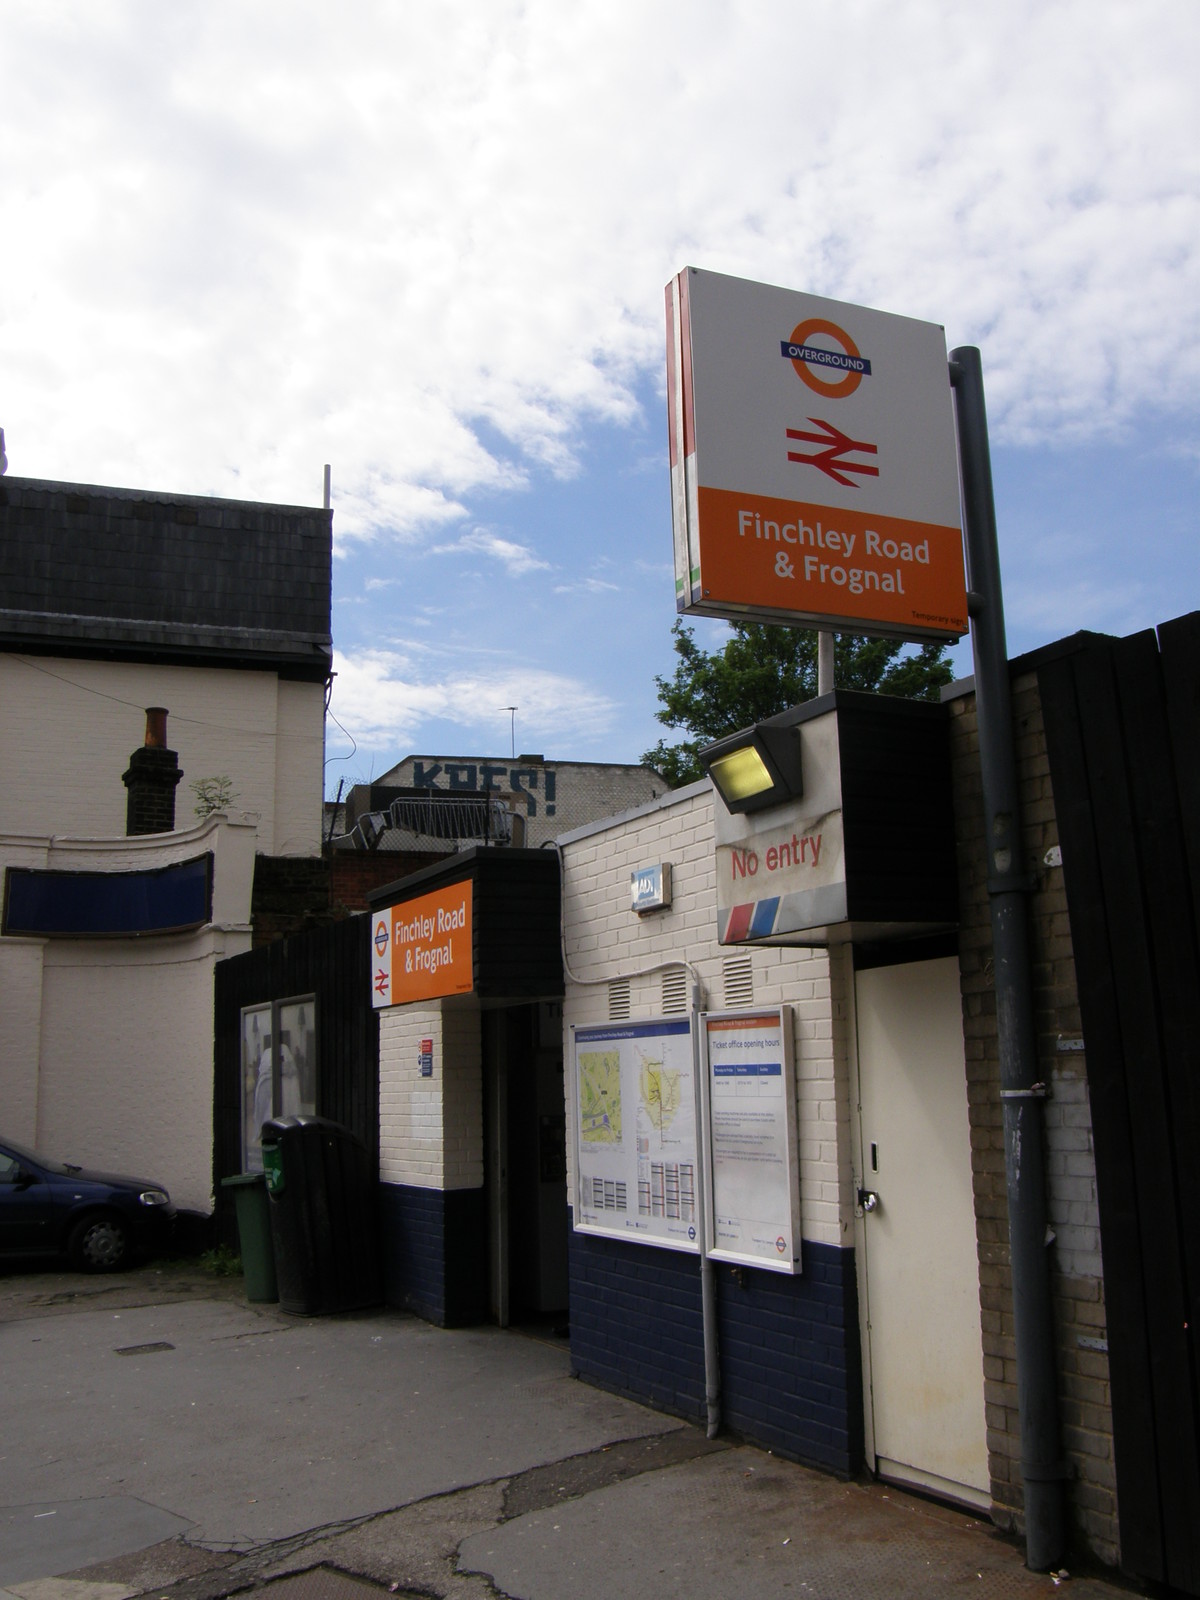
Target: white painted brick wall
[
  {"x": 410, "y": 1107},
  {"x": 20, "y": 1036},
  {"x": 606, "y": 940},
  {"x": 76, "y": 723},
  {"x": 106, "y": 1045},
  {"x": 299, "y": 768},
  {"x": 126, "y": 1065},
  {"x": 431, "y": 1129}
]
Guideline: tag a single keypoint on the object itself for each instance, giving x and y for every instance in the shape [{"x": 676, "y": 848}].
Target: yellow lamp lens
[{"x": 741, "y": 773}]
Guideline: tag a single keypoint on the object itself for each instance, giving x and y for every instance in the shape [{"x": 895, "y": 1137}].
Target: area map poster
[
  {"x": 755, "y": 1189},
  {"x": 637, "y": 1172}
]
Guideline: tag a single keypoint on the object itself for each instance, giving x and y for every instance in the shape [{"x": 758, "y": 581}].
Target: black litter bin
[{"x": 322, "y": 1205}]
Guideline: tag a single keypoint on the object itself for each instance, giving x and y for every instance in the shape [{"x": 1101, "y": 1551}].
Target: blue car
[{"x": 101, "y": 1221}]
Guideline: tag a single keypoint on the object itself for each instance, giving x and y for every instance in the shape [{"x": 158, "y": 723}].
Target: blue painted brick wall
[
  {"x": 791, "y": 1365},
  {"x": 433, "y": 1245},
  {"x": 636, "y": 1325},
  {"x": 791, "y": 1376}
]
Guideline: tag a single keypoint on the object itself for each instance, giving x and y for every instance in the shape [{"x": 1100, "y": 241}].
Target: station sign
[
  {"x": 422, "y": 949},
  {"x": 814, "y": 468}
]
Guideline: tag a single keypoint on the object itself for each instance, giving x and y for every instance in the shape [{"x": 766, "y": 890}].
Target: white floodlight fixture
[{"x": 757, "y": 767}]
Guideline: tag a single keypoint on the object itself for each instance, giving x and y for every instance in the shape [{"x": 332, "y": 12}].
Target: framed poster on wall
[
  {"x": 636, "y": 1137},
  {"x": 751, "y": 1133},
  {"x": 279, "y": 1068}
]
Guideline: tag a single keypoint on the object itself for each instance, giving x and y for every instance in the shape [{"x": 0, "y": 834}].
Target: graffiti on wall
[{"x": 527, "y": 784}]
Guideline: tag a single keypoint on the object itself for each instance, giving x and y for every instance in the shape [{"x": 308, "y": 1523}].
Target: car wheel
[{"x": 99, "y": 1243}]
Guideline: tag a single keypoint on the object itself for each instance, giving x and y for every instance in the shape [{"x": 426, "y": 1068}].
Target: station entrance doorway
[{"x": 525, "y": 1163}]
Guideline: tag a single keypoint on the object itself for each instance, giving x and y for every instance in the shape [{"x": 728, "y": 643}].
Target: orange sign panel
[
  {"x": 423, "y": 948},
  {"x": 843, "y": 566}
]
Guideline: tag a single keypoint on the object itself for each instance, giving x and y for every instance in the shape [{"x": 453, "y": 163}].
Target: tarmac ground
[{"x": 161, "y": 1436}]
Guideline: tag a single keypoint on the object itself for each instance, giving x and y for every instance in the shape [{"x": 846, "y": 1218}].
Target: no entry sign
[{"x": 814, "y": 472}]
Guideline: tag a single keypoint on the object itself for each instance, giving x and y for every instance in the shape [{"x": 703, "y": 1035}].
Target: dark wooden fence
[
  {"x": 332, "y": 963},
  {"x": 1123, "y": 734}
]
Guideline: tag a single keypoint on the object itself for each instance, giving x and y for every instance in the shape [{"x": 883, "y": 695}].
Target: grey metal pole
[
  {"x": 1008, "y": 887},
  {"x": 825, "y": 661},
  {"x": 708, "y": 1282}
]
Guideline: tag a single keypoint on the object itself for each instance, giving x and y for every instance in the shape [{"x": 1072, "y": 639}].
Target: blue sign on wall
[{"x": 108, "y": 905}]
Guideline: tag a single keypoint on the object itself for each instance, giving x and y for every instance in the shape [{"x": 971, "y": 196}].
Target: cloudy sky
[{"x": 427, "y": 243}]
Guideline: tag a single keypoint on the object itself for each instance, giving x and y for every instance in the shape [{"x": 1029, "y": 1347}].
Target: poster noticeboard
[
  {"x": 636, "y": 1138},
  {"x": 814, "y": 463},
  {"x": 754, "y": 1190}
]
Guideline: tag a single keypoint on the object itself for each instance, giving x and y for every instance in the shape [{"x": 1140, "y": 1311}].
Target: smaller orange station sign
[{"x": 422, "y": 949}]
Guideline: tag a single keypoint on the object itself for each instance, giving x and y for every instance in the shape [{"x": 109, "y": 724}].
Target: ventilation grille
[
  {"x": 618, "y": 1000},
  {"x": 738, "y": 978},
  {"x": 674, "y": 990}
]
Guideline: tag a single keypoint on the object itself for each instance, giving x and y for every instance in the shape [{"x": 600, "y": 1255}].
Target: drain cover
[{"x": 321, "y": 1583}]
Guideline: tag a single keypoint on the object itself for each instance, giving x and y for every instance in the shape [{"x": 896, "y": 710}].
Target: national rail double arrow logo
[{"x": 832, "y": 459}]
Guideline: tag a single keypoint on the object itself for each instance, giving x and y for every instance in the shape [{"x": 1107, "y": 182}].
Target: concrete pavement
[{"x": 161, "y": 1436}]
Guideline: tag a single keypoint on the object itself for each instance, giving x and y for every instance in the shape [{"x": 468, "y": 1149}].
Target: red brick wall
[{"x": 292, "y": 893}]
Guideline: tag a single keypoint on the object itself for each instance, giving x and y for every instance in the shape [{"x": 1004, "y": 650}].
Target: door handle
[{"x": 868, "y": 1199}]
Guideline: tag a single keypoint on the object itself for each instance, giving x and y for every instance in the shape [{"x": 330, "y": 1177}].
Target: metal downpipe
[
  {"x": 1021, "y": 1094},
  {"x": 708, "y": 1280}
]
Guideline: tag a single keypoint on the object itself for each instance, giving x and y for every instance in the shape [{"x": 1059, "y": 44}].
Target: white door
[{"x": 925, "y": 1403}]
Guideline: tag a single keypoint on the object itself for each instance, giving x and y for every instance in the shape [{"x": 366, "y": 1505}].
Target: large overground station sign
[{"x": 814, "y": 471}]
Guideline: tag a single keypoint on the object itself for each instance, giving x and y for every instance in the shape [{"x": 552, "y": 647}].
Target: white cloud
[
  {"x": 383, "y": 697},
  {"x": 588, "y": 586},
  {"x": 515, "y": 558},
  {"x": 428, "y": 243}
]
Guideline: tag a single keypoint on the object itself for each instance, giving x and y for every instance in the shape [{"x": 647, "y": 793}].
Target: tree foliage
[
  {"x": 763, "y": 669},
  {"x": 213, "y": 794}
]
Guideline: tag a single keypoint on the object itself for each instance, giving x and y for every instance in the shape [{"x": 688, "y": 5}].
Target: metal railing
[{"x": 462, "y": 819}]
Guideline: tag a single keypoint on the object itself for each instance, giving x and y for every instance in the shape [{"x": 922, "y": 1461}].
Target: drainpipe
[
  {"x": 1021, "y": 1094},
  {"x": 708, "y": 1282},
  {"x": 712, "y": 1362}
]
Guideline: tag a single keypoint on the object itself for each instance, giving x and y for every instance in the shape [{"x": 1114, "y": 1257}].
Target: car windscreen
[{"x": 31, "y": 1158}]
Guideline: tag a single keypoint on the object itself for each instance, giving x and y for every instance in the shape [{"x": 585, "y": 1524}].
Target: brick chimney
[{"x": 152, "y": 779}]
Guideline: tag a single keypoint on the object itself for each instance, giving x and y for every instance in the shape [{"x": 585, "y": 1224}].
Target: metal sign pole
[
  {"x": 708, "y": 1281},
  {"x": 1021, "y": 1094},
  {"x": 825, "y": 661}
]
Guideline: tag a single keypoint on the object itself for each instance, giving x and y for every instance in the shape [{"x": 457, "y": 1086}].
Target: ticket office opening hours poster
[
  {"x": 635, "y": 1132},
  {"x": 755, "y": 1183}
]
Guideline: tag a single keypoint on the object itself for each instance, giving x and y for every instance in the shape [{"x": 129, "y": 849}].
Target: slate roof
[{"x": 137, "y": 575}]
